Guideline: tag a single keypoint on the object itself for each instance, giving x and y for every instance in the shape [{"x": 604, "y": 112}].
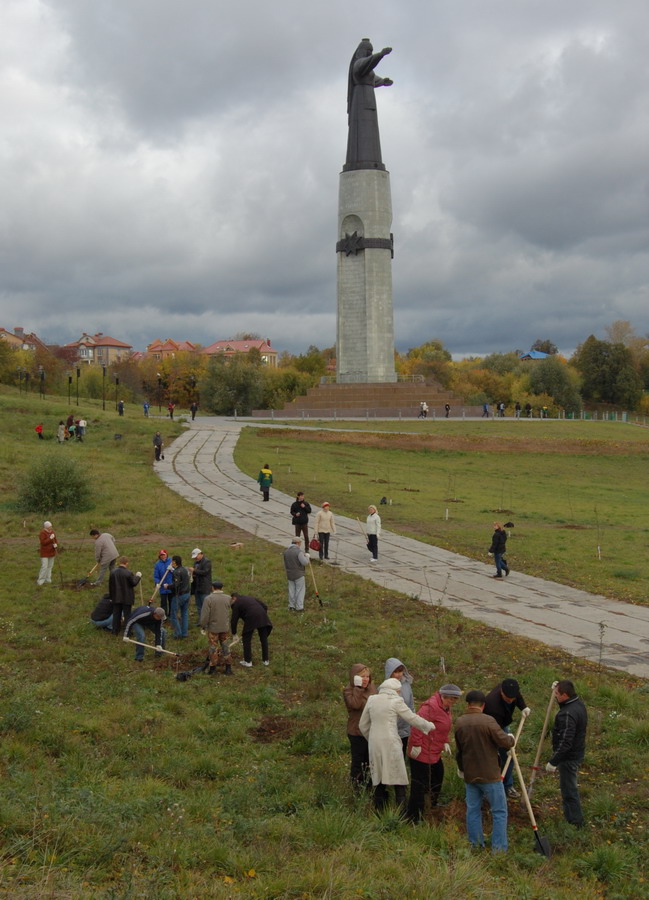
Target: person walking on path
[
  {"x": 517, "y": 410},
  {"x": 265, "y": 479},
  {"x": 378, "y": 723},
  {"x": 215, "y": 619},
  {"x": 179, "y": 613},
  {"x": 373, "y": 532},
  {"x": 193, "y": 409},
  {"x": 120, "y": 407},
  {"x": 300, "y": 511},
  {"x": 425, "y": 750},
  {"x": 202, "y": 575},
  {"x": 105, "y": 554},
  {"x": 568, "y": 749},
  {"x": 477, "y": 739},
  {"x": 170, "y": 410},
  {"x": 146, "y": 406},
  {"x": 295, "y": 563},
  {"x": 121, "y": 584},
  {"x": 151, "y": 619},
  {"x": 356, "y": 695},
  {"x": 497, "y": 550},
  {"x": 163, "y": 576},
  {"x": 254, "y": 615},
  {"x": 485, "y": 410},
  {"x": 325, "y": 526},
  {"x": 157, "y": 446},
  {"x": 447, "y": 410},
  {"x": 394, "y": 668},
  {"x": 501, "y": 703},
  {"x": 47, "y": 547}
]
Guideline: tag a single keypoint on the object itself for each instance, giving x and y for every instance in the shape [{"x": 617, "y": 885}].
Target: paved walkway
[{"x": 199, "y": 465}]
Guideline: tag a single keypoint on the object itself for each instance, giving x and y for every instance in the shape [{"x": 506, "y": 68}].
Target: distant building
[
  {"x": 534, "y": 354},
  {"x": 21, "y": 341},
  {"x": 230, "y": 348},
  {"x": 167, "y": 349},
  {"x": 100, "y": 349}
]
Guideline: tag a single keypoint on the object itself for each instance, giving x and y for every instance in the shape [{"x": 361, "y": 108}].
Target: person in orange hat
[{"x": 162, "y": 572}]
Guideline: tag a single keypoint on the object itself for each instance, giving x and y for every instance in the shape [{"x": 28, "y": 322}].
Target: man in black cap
[{"x": 500, "y": 703}]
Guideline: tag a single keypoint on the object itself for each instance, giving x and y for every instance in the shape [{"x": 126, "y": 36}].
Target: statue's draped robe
[{"x": 363, "y": 142}]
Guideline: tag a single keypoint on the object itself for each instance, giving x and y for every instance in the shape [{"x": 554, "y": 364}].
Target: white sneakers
[
  {"x": 266, "y": 663},
  {"x": 373, "y": 560},
  {"x": 248, "y": 665}
]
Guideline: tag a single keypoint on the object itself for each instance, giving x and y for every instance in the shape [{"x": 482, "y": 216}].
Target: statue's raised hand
[{"x": 386, "y": 50}]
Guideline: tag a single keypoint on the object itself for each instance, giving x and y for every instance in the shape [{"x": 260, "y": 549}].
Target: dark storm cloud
[{"x": 172, "y": 168}]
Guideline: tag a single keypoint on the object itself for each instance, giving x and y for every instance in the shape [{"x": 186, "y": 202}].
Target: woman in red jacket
[{"x": 425, "y": 750}]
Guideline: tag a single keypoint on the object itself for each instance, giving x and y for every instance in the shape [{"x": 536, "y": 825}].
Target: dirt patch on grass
[
  {"x": 272, "y": 728},
  {"x": 467, "y": 443}
]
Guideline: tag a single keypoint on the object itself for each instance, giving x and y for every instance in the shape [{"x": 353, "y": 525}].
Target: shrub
[{"x": 53, "y": 484}]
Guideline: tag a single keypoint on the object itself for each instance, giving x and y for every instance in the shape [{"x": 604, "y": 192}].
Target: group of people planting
[{"x": 384, "y": 731}]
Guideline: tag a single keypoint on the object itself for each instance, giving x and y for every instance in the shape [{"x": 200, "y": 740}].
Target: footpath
[{"x": 199, "y": 465}]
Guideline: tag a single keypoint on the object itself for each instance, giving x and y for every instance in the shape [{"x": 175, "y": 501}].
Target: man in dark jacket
[
  {"x": 254, "y": 615},
  {"x": 568, "y": 748},
  {"x": 120, "y": 587},
  {"x": 300, "y": 511},
  {"x": 152, "y": 619},
  {"x": 477, "y": 739},
  {"x": 179, "y": 615},
  {"x": 202, "y": 575},
  {"x": 501, "y": 703},
  {"x": 102, "y": 614},
  {"x": 497, "y": 550}
]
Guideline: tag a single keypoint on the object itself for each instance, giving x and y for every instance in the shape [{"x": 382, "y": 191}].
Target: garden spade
[
  {"x": 159, "y": 584},
  {"x": 315, "y": 586},
  {"x": 509, "y": 752},
  {"x": 537, "y": 758},
  {"x": 150, "y": 647},
  {"x": 542, "y": 845},
  {"x": 84, "y": 580}
]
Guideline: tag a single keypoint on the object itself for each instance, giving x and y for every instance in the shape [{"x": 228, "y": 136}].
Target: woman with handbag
[{"x": 324, "y": 526}]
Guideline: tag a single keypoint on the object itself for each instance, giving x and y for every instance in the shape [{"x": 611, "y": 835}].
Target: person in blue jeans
[
  {"x": 151, "y": 619},
  {"x": 179, "y": 614},
  {"x": 477, "y": 739},
  {"x": 162, "y": 576},
  {"x": 497, "y": 550},
  {"x": 102, "y": 614},
  {"x": 501, "y": 703}
]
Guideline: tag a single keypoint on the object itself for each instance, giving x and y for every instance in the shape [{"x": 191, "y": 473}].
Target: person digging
[{"x": 215, "y": 619}]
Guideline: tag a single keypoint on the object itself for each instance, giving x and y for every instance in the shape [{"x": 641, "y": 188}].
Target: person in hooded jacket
[
  {"x": 425, "y": 750},
  {"x": 355, "y": 695},
  {"x": 265, "y": 479},
  {"x": 394, "y": 668},
  {"x": 378, "y": 723},
  {"x": 163, "y": 576}
]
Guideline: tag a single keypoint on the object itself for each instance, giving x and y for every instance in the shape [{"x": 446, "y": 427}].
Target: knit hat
[
  {"x": 510, "y": 687},
  {"x": 450, "y": 690},
  {"x": 47, "y": 524},
  {"x": 195, "y": 552}
]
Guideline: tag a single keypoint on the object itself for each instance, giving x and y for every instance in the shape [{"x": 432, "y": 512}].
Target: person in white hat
[
  {"x": 324, "y": 526},
  {"x": 47, "y": 553}
]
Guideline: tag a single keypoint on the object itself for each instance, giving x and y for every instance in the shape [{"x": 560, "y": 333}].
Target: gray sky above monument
[{"x": 172, "y": 169}]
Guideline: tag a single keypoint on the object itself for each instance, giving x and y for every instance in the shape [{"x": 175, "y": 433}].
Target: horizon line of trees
[{"x": 614, "y": 372}]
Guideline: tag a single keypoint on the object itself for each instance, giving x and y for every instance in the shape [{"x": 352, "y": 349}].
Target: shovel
[
  {"x": 159, "y": 584},
  {"x": 542, "y": 844},
  {"x": 509, "y": 752},
  {"x": 537, "y": 758},
  {"x": 315, "y": 586},
  {"x": 150, "y": 647},
  {"x": 83, "y": 581}
]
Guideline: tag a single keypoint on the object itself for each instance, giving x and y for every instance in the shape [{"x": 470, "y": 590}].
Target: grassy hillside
[
  {"x": 120, "y": 782},
  {"x": 577, "y": 492}
]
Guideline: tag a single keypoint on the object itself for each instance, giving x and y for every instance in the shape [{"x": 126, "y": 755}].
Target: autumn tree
[
  {"x": 545, "y": 346},
  {"x": 608, "y": 373}
]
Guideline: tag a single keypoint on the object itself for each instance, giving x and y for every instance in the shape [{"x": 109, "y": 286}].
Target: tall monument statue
[{"x": 365, "y": 331}]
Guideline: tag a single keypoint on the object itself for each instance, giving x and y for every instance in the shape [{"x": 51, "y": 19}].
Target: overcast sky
[{"x": 170, "y": 169}]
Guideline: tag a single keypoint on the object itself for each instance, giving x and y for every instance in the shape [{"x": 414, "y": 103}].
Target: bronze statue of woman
[{"x": 363, "y": 142}]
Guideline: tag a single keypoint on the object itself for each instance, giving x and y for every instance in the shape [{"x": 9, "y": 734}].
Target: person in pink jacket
[{"x": 425, "y": 750}]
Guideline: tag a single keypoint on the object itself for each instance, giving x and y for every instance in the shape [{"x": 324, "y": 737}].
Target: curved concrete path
[{"x": 199, "y": 465}]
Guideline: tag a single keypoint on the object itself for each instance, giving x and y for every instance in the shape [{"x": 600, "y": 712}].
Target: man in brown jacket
[
  {"x": 477, "y": 738},
  {"x": 215, "y": 619}
]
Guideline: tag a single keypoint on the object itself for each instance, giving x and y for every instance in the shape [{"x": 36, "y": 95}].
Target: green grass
[
  {"x": 120, "y": 782},
  {"x": 577, "y": 492}
]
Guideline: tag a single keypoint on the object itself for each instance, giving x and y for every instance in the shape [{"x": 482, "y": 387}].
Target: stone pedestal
[{"x": 365, "y": 331}]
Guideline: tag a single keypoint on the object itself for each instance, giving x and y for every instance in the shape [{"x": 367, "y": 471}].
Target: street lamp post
[
  {"x": 78, "y": 377},
  {"x": 69, "y": 387},
  {"x": 116, "y": 386},
  {"x": 41, "y": 381},
  {"x": 103, "y": 388},
  {"x": 159, "y": 392}
]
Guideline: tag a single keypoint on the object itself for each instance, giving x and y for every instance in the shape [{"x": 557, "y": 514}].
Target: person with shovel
[
  {"x": 477, "y": 739},
  {"x": 215, "y": 619},
  {"x": 47, "y": 552},
  {"x": 568, "y": 748},
  {"x": 501, "y": 703},
  {"x": 151, "y": 619},
  {"x": 162, "y": 575},
  {"x": 121, "y": 585},
  {"x": 105, "y": 554},
  {"x": 254, "y": 615}
]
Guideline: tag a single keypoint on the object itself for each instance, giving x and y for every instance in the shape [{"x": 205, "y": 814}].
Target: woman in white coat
[
  {"x": 373, "y": 532},
  {"x": 379, "y": 726}
]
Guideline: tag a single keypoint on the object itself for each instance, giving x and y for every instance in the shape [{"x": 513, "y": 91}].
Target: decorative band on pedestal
[{"x": 352, "y": 243}]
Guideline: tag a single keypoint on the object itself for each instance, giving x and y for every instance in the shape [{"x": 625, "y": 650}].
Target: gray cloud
[{"x": 172, "y": 169}]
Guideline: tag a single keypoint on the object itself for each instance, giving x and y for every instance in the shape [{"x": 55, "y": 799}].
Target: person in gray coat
[
  {"x": 394, "y": 668},
  {"x": 215, "y": 619},
  {"x": 295, "y": 563}
]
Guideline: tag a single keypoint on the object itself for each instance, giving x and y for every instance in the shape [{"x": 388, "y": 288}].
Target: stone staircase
[{"x": 378, "y": 401}]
